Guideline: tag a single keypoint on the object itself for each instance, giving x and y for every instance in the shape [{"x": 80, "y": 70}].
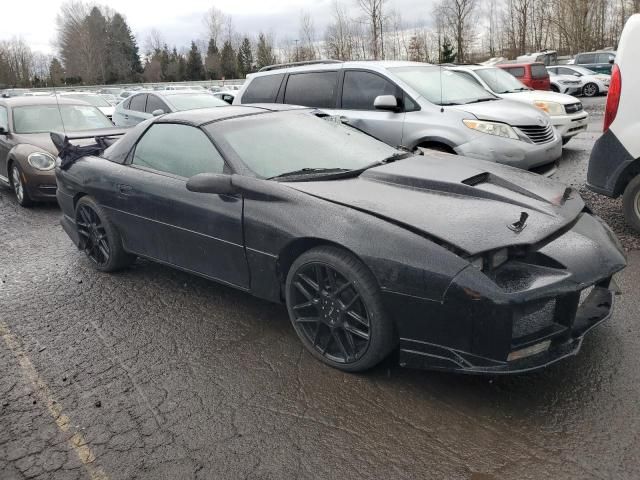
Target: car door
[
  {"x": 155, "y": 103},
  {"x": 359, "y": 91},
  {"x": 5, "y": 144},
  {"x": 160, "y": 219},
  {"x": 136, "y": 112}
]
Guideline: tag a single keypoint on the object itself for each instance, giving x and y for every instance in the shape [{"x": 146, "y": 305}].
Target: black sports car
[{"x": 464, "y": 265}]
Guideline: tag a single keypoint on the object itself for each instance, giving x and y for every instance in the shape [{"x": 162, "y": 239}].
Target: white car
[
  {"x": 566, "y": 112},
  {"x": 592, "y": 83},
  {"x": 92, "y": 99},
  {"x": 614, "y": 166},
  {"x": 565, "y": 83}
]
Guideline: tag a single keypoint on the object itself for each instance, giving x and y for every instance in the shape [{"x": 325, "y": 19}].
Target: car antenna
[
  {"x": 441, "y": 106},
  {"x": 55, "y": 94}
]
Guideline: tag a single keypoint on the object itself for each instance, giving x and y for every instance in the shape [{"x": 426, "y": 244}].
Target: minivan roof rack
[{"x": 298, "y": 64}]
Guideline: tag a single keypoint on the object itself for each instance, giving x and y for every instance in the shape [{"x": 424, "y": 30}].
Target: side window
[
  {"x": 586, "y": 58},
  {"x": 138, "y": 102},
  {"x": 517, "y": 72},
  {"x": 553, "y": 70},
  {"x": 127, "y": 103},
  {"x": 177, "y": 149},
  {"x": 4, "y": 119},
  {"x": 263, "y": 89},
  {"x": 470, "y": 77},
  {"x": 155, "y": 103},
  {"x": 316, "y": 89},
  {"x": 361, "y": 89},
  {"x": 566, "y": 71},
  {"x": 604, "y": 57}
]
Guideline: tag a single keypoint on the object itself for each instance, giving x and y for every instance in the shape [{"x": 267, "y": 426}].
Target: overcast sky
[{"x": 179, "y": 21}]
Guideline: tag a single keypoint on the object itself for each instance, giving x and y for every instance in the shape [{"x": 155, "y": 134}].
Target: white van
[{"x": 614, "y": 167}]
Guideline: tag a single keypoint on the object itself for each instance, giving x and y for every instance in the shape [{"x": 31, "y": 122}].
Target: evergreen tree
[
  {"x": 265, "y": 54},
  {"x": 123, "y": 63},
  {"x": 165, "y": 59},
  {"x": 212, "y": 62},
  {"x": 194, "y": 67},
  {"x": 56, "y": 72},
  {"x": 245, "y": 58},
  {"x": 228, "y": 61},
  {"x": 447, "y": 54}
]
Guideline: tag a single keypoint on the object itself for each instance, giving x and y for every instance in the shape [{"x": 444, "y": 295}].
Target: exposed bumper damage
[{"x": 534, "y": 311}]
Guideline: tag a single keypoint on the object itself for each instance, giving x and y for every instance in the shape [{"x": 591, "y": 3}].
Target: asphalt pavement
[{"x": 152, "y": 373}]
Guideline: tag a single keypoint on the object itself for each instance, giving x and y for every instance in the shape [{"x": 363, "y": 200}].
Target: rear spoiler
[{"x": 69, "y": 152}]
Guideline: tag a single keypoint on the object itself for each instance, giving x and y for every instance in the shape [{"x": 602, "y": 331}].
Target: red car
[{"x": 533, "y": 75}]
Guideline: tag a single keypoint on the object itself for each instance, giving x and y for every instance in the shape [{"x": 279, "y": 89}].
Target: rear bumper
[
  {"x": 515, "y": 153},
  {"x": 597, "y": 308},
  {"x": 607, "y": 164}
]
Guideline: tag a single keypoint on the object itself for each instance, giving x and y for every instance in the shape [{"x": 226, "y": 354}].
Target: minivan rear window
[
  {"x": 539, "y": 71},
  {"x": 586, "y": 58},
  {"x": 314, "y": 89},
  {"x": 263, "y": 89},
  {"x": 516, "y": 71}
]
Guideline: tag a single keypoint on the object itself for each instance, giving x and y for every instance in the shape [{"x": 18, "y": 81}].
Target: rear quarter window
[
  {"x": 539, "y": 71},
  {"x": 263, "y": 89}
]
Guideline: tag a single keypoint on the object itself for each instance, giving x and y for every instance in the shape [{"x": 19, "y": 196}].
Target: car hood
[
  {"x": 40, "y": 140},
  {"x": 466, "y": 203},
  {"x": 540, "y": 95},
  {"x": 505, "y": 111}
]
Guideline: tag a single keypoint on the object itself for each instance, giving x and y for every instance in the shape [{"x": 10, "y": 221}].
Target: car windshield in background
[
  {"x": 539, "y": 71},
  {"x": 47, "y": 118},
  {"x": 290, "y": 142},
  {"x": 95, "y": 100},
  {"x": 442, "y": 87},
  {"x": 500, "y": 81},
  {"x": 191, "y": 101}
]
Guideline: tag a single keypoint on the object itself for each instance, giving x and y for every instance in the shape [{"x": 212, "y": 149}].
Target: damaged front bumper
[{"x": 536, "y": 353}]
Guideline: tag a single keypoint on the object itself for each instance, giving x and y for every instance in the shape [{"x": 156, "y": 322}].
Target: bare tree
[
  {"x": 373, "y": 10},
  {"x": 215, "y": 22},
  {"x": 458, "y": 15},
  {"x": 308, "y": 50},
  {"x": 339, "y": 34}
]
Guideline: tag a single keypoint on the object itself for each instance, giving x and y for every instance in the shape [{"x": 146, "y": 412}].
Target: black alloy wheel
[
  {"x": 99, "y": 238},
  {"x": 335, "y": 307},
  {"x": 93, "y": 235}
]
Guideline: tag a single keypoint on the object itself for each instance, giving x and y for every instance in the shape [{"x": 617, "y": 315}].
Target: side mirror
[
  {"x": 612, "y": 61},
  {"x": 157, "y": 112},
  {"x": 386, "y": 102},
  {"x": 211, "y": 183},
  {"x": 4, "y": 131}
]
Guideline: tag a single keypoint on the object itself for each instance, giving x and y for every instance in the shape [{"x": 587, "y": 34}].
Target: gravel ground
[{"x": 572, "y": 170}]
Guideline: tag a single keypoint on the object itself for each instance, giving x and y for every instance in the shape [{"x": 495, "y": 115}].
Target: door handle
[
  {"x": 126, "y": 117},
  {"x": 344, "y": 119},
  {"x": 125, "y": 189}
]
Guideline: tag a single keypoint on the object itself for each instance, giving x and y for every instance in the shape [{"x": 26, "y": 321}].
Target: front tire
[
  {"x": 22, "y": 195},
  {"x": 99, "y": 238},
  {"x": 631, "y": 203},
  {"x": 590, "y": 90},
  {"x": 335, "y": 306}
]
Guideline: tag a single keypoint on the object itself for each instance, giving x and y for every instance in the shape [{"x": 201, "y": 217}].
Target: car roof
[
  {"x": 519, "y": 64},
  {"x": 52, "y": 100},
  {"x": 375, "y": 65},
  {"x": 203, "y": 116}
]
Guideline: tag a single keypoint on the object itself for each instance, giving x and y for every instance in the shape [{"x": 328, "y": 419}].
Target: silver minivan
[{"x": 413, "y": 105}]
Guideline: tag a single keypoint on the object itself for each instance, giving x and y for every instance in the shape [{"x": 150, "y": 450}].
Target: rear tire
[
  {"x": 99, "y": 238},
  {"x": 335, "y": 306},
  {"x": 590, "y": 90},
  {"x": 631, "y": 203},
  {"x": 16, "y": 178}
]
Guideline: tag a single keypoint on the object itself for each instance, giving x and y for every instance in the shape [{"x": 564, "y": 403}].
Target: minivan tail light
[{"x": 613, "y": 97}]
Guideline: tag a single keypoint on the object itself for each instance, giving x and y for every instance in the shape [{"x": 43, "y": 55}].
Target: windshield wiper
[{"x": 308, "y": 171}]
